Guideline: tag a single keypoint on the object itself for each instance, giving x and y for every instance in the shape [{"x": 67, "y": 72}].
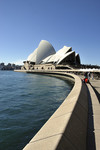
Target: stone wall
[
  {"x": 67, "y": 127},
  {"x": 44, "y": 67}
]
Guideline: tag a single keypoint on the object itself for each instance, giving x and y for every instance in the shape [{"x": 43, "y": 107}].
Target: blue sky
[{"x": 74, "y": 23}]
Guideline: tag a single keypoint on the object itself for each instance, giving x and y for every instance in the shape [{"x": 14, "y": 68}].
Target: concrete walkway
[
  {"x": 93, "y": 137},
  {"x": 96, "y": 85},
  {"x": 93, "y": 134}
]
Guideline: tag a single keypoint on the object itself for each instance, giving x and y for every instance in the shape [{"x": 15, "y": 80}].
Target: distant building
[
  {"x": 45, "y": 54},
  {"x": 1, "y": 65},
  {"x": 9, "y": 66}
]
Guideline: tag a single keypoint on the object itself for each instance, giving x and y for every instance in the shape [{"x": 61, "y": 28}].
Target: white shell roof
[
  {"x": 45, "y": 53},
  {"x": 32, "y": 56},
  {"x": 64, "y": 50},
  {"x": 58, "y": 55},
  {"x": 44, "y": 50},
  {"x": 66, "y": 55},
  {"x": 78, "y": 57},
  {"x": 47, "y": 58}
]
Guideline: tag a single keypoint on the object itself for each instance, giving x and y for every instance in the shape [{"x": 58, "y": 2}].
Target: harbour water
[{"x": 26, "y": 103}]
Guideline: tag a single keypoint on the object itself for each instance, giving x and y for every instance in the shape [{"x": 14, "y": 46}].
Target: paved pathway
[
  {"x": 93, "y": 134},
  {"x": 96, "y": 85}
]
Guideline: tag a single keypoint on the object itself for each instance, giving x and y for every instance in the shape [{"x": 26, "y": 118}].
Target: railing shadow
[
  {"x": 97, "y": 93},
  {"x": 91, "y": 145}
]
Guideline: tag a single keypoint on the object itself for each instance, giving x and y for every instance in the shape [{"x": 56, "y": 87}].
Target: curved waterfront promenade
[
  {"x": 76, "y": 123},
  {"x": 67, "y": 127}
]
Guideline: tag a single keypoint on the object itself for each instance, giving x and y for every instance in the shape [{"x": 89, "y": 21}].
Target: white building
[{"x": 46, "y": 54}]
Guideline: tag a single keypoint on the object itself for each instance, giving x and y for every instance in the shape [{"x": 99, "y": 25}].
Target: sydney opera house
[{"x": 45, "y": 57}]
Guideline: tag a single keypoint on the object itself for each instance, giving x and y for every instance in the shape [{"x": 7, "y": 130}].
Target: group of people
[{"x": 87, "y": 77}]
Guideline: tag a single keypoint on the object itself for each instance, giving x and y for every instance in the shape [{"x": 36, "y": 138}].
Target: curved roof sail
[
  {"x": 32, "y": 56},
  {"x": 45, "y": 53},
  {"x": 72, "y": 57},
  {"x": 44, "y": 50}
]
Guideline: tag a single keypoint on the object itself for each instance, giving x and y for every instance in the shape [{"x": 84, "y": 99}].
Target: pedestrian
[
  {"x": 92, "y": 76},
  {"x": 88, "y": 75}
]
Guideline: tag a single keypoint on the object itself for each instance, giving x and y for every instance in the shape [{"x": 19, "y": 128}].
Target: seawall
[{"x": 67, "y": 127}]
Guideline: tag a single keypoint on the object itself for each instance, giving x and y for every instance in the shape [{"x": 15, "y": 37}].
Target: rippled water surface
[{"x": 26, "y": 102}]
